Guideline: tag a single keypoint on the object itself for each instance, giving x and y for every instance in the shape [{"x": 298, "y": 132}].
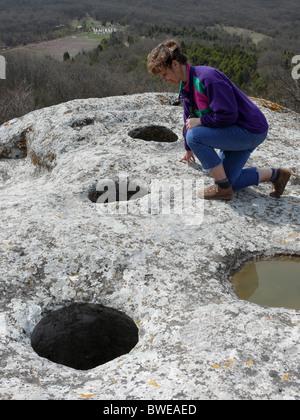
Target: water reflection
[{"x": 274, "y": 283}]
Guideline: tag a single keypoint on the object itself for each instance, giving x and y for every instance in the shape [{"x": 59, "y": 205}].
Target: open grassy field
[
  {"x": 57, "y": 47},
  {"x": 254, "y": 36},
  {"x": 82, "y": 40}
]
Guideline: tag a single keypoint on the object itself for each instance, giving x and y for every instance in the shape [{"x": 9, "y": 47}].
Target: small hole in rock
[
  {"x": 109, "y": 191},
  {"x": 272, "y": 283},
  {"x": 16, "y": 148},
  {"x": 84, "y": 335},
  {"x": 82, "y": 123},
  {"x": 154, "y": 133}
]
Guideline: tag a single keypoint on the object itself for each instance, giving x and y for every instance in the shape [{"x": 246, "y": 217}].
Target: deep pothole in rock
[
  {"x": 82, "y": 122},
  {"x": 154, "y": 133},
  {"x": 84, "y": 335},
  {"x": 270, "y": 282},
  {"x": 109, "y": 190}
]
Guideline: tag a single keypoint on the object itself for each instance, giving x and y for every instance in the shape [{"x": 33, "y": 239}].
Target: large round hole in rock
[
  {"x": 272, "y": 283},
  {"x": 154, "y": 133},
  {"x": 84, "y": 335}
]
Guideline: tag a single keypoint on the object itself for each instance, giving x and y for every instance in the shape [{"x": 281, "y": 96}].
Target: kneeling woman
[{"x": 217, "y": 115}]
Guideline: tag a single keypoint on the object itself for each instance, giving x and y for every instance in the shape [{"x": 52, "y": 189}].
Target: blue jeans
[{"x": 235, "y": 144}]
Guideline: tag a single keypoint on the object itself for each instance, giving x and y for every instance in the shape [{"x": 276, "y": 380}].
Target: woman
[{"x": 217, "y": 115}]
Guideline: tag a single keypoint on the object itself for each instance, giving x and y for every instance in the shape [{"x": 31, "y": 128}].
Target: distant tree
[
  {"x": 130, "y": 39},
  {"x": 104, "y": 44},
  {"x": 67, "y": 56}
]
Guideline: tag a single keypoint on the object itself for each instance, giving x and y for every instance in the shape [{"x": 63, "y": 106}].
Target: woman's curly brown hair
[{"x": 163, "y": 55}]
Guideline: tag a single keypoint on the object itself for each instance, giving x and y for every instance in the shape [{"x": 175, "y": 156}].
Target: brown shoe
[
  {"x": 280, "y": 183},
  {"x": 215, "y": 192}
]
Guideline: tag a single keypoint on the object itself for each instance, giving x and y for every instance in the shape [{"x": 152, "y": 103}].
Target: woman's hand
[
  {"x": 189, "y": 155},
  {"x": 192, "y": 122}
]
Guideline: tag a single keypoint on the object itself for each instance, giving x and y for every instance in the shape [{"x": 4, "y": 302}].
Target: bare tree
[{"x": 287, "y": 89}]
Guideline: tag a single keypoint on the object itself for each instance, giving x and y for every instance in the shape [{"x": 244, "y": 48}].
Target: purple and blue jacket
[{"x": 219, "y": 103}]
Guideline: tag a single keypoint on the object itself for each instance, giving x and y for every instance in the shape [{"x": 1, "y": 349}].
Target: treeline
[
  {"x": 237, "y": 63},
  {"x": 118, "y": 67},
  {"x": 27, "y": 21},
  {"x": 184, "y": 32}
]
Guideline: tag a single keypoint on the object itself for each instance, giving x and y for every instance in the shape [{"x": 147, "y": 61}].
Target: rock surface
[{"x": 169, "y": 272}]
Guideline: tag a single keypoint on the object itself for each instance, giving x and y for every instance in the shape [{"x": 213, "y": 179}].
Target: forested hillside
[
  {"x": 205, "y": 30},
  {"x": 27, "y": 20}
]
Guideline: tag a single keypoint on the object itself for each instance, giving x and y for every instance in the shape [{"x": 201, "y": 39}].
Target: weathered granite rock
[{"x": 170, "y": 273}]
